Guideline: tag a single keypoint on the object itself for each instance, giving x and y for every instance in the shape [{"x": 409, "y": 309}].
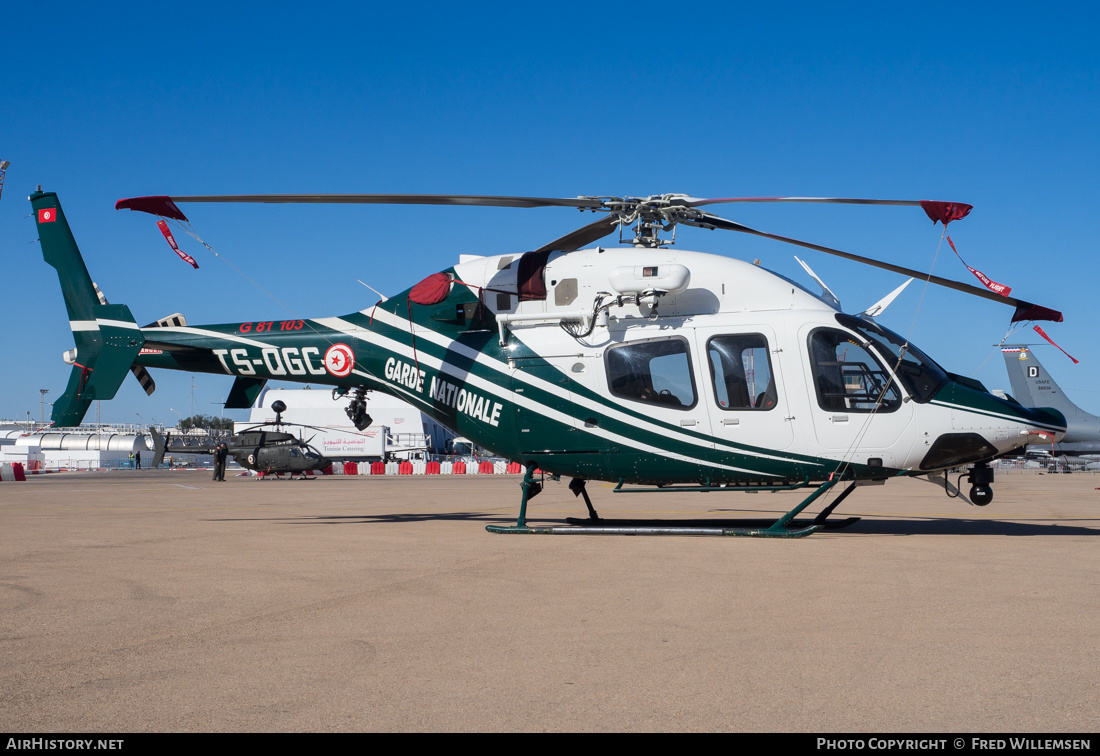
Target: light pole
[
  {"x": 42, "y": 405},
  {"x": 180, "y": 424}
]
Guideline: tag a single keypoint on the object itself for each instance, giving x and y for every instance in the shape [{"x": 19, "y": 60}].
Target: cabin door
[
  {"x": 743, "y": 386},
  {"x": 856, "y": 405}
]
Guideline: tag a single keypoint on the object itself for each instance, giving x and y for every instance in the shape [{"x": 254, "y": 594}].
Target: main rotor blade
[
  {"x": 1023, "y": 307},
  {"x": 699, "y": 202},
  {"x": 936, "y": 210},
  {"x": 164, "y": 205},
  {"x": 582, "y": 237}
]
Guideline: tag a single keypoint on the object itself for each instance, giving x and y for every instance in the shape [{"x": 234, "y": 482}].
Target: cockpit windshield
[{"x": 918, "y": 372}]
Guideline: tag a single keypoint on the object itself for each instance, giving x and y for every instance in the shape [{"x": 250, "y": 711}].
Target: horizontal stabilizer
[
  {"x": 244, "y": 392},
  {"x": 106, "y": 347},
  {"x": 148, "y": 385}
]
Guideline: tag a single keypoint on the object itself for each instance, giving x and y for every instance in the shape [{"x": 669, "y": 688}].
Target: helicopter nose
[
  {"x": 1012, "y": 427},
  {"x": 984, "y": 426}
]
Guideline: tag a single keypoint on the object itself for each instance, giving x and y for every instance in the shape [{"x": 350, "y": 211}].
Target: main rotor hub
[{"x": 652, "y": 215}]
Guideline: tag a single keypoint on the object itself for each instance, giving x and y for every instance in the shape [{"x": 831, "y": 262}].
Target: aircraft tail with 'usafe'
[
  {"x": 107, "y": 337},
  {"x": 1032, "y": 385}
]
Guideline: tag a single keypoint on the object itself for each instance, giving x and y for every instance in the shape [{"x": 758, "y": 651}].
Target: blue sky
[{"x": 990, "y": 104}]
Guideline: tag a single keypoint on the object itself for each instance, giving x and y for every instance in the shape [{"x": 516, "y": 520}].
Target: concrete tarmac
[{"x": 162, "y": 601}]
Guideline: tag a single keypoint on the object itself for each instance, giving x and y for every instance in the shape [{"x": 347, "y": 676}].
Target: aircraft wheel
[{"x": 981, "y": 495}]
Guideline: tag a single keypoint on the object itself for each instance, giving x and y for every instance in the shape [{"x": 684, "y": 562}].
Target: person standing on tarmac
[
  {"x": 220, "y": 456},
  {"x": 217, "y": 461},
  {"x": 137, "y": 460}
]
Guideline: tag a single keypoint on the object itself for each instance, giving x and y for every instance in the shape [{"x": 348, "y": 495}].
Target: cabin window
[
  {"x": 741, "y": 371},
  {"x": 847, "y": 376},
  {"x": 918, "y": 373},
  {"x": 653, "y": 371}
]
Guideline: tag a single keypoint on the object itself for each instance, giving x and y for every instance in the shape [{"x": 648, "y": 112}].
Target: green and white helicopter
[{"x": 639, "y": 364}]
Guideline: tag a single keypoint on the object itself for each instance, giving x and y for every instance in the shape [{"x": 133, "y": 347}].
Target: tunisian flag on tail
[{"x": 172, "y": 243}]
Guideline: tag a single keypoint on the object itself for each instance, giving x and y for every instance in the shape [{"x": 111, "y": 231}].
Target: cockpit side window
[
  {"x": 918, "y": 373},
  {"x": 741, "y": 371},
  {"x": 847, "y": 375},
  {"x": 654, "y": 371}
]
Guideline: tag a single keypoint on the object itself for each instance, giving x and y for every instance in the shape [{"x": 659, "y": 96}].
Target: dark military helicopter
[{"x": 269, "y": 452}]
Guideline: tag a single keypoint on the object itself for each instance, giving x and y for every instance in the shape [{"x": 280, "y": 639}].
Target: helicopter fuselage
[
  {"x": 638, "y": 365},
  {"x": 274, "y": 452}
]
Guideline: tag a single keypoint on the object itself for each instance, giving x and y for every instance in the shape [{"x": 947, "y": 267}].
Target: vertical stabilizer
[
  {"x": 59, "y": 250},
  {"x": 107, "y": 336},
  {"x": 1032, "y": 386}
]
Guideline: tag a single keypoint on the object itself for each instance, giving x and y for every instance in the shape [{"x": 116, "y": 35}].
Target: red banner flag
[
  {"x": 1042, "y": 333},
  {"x": 172, "y": 243},
  {"x": 990, "y": 284}
]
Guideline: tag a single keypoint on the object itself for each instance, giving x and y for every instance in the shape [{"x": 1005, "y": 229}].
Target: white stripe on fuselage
[
  {"x": 998, "y": 415},
  {"x": 350, "y": 329},
  {"x": 151, "y": 333},
  {"x": 117, "y": 323},
  {"x": 94, "y": 325},
  {"x": 496, "y": 365}
]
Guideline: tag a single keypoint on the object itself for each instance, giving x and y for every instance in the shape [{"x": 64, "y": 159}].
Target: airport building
[{"x": 72, "y": 448}]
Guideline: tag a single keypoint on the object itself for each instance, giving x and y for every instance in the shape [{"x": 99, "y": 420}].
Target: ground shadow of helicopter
[
  {"x": 268, "y": 452},
  {"x": 877, "y": 526}
]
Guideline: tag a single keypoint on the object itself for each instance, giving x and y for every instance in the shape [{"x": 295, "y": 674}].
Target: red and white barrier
[
  {"x": 406, "y": 467},
  {"x": 10, "y": 471}
]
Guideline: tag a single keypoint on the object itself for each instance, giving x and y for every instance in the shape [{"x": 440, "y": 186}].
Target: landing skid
[
  {"x": 755, "y": 524},
  {"x": 784, "y": 527},
  {"x": 279, "y": 476}
]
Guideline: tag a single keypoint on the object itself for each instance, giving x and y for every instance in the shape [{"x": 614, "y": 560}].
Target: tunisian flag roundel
[{"x": 339, "y": 360}]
